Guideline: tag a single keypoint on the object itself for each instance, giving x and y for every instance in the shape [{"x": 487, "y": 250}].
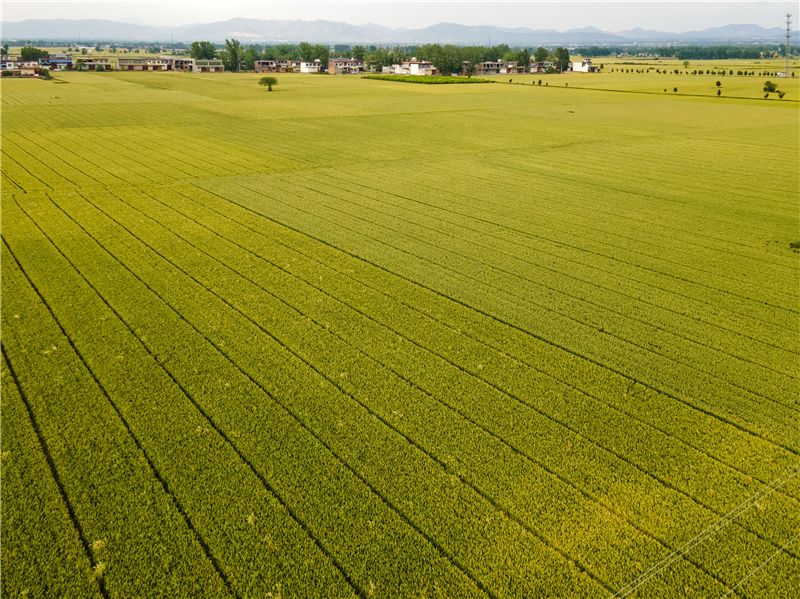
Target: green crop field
[{"x": 366, "y": 338}]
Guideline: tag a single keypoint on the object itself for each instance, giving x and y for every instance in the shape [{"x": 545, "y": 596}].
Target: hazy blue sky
[{"x": 609, "y": 16}]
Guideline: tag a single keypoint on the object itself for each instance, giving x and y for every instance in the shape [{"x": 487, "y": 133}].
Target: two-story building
[
  {"x": 144, "y": 64},
  {"x": 275, "y": 66},
  {"x": 57, "y": 62},
  {"x": 180, "y": 63},
  {"x": 91, "y": 63},
  {"x": 545, "y": 66},
  {"x": 208, "y": 66},
  {"x": 412, "y": 67},
  {"x": 345, "y": 66}
]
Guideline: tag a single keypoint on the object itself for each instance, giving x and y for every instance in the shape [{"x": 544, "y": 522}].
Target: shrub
[
  {"x": 719, "y": 92},
  {"x": 780, "y": 95},
  {"x": 719, "y": 83},
  {"x": 675, "y": 90}
]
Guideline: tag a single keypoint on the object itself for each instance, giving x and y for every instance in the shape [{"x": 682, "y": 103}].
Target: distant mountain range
[{"x": 264, "y": 31}]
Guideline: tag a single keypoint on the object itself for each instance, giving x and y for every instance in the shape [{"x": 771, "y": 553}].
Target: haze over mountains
[{"x": 320, "y": 31}]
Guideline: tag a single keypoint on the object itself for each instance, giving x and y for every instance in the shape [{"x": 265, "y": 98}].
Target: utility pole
[{"x": 788, "y": 41}]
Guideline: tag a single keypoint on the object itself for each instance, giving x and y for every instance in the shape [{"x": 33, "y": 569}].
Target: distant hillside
[{"x": 258, "y": 30}]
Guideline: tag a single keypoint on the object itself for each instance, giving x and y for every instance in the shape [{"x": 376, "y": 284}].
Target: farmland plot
[{"x": 362, "y": 338}]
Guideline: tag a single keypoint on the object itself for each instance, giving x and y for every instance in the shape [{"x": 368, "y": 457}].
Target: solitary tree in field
[
  {"x": 719, "y": 83},
  {"x": 770, "y": 87},
  {"x": 268, "y": 82}
]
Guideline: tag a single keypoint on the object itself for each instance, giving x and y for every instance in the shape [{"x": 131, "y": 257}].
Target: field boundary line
[
  {"x": 507, "y": 293},
  {"x": 531, "y": 235},
  {"x": 118, "y": 166},
  {"x": 511, "y": 446},
  {"x": 52, "y": 467},
  {"x": 507, "y": 272},
  {"x": 469, "y": 335},
  {"x": 491, "y": 206},
  {"x": 179, "y": 507},
  {"x": 528, "y": 333},
  {"x": 571, "y": 297},
  {"x": 511, "y": 395},
  {"x": 513, "y": 168},
  {"x": 509, "y": 185},
  {"x": 192, "y": 400},
  {"x": 467, "y": 482},
  {"x": 708, "y": 532},
  {"x": 618, "y": 216},
  {"x": 58, "y": 158},
  {"x": 6, "y": 157},
  {"x": 524, "y": 455},
  {"x": 260, "y": 386}
]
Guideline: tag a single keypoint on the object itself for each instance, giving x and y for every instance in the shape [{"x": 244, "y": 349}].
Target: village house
[
  {"x": 498, "y": 67},
  {"x": 510, "y": 67},
  {"x": 345, "y": 66},
  {"x": 584, "y": 66},
  {"x": 208, "y": 66},
  {"x": 21, "y": 68},
  {"x": 57, "y": 62},
  {"x": 488, "y": 67},
  {"x": 91, "y": 63},
  {"x": 542, "y": 67},
  {"x": 143, "y": 64},
  {"x": 272, "y": 66},
  {"x": 179, "y": 63},
  {"x": 311, "y": 67},
  {"x": 411, "y": 67},
  {"x": 266, "y": 66}
]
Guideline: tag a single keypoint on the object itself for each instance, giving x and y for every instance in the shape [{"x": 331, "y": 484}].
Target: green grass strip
[{"x": 427, "y": 79}]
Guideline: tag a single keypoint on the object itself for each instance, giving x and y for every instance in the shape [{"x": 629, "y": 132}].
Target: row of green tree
[
  {"x": 446, "y": 58},
  {"x": 716, "y": 52},
  {"x": 237, "y": 57}
]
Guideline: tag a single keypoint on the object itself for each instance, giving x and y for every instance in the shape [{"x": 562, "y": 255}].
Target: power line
[
  {"x": 764, "y": 563},
  {"x": 710, "y": 530}
]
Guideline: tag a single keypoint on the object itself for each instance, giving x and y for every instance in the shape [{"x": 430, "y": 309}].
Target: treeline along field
[{"x": 360, "y": 338}]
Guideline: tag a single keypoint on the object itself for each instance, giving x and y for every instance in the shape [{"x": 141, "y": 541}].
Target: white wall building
[
  {"x": 584, "y": 66},
  {"x": 311, "y": 67}
]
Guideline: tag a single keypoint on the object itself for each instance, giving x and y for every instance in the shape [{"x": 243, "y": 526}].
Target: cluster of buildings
[
  {"x": 335, "y": 66},
  {"x": 87, "y": 62}
]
